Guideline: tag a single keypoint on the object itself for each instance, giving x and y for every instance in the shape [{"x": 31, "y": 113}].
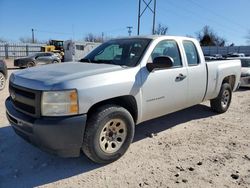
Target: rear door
[
  {"x": 45, "y": 58},
  {"x": 197, "y": 73},
  {"x": 163, "y": 91}
]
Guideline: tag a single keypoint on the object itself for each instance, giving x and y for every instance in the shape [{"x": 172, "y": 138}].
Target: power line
[
  {"x": 216, "y": 14},
  {"x": 192, "y": 13},
  {"x": 218, "y": 23},
  {"x": 164, "y": 10}
]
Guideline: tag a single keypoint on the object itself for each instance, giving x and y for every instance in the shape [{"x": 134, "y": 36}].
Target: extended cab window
[
  {"x": 191, "y": 53},
  {"x": 168, "y": 48}
]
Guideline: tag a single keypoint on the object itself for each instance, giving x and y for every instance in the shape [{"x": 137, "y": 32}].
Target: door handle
[{"x": 180, "y": 77}]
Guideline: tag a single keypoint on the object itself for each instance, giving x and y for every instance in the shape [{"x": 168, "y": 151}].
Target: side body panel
[
  {"x": 197, "y": 77},
  {"x": 217, "y": 71}
]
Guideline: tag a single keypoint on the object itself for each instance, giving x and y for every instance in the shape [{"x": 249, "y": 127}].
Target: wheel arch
[
  {"x": 55, "y": 61},
  {"x": 230, "y": 80},
  {"x": 128, "y": 102},
  {"x": 4, "y": 73},
  {"x": 31, "y": 61}
]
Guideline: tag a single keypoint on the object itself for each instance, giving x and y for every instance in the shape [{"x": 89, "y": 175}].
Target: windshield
[
  {"x": 124, "y": 52},
  {"x": 245, "y": 62}
]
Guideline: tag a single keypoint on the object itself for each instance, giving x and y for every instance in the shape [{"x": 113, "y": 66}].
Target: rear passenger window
[
  {"x": 191, "y": 53},
  {"x": 168, "y": 48}
]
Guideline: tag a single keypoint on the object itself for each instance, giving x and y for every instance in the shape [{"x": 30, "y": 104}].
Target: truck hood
[{"x": 44, "y": 77}]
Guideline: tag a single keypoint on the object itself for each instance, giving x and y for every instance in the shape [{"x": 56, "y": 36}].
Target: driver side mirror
[{"x": 161, "y": 62}]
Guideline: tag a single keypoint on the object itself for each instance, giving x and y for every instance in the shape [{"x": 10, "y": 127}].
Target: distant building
[{"x": 75, "y": 50}]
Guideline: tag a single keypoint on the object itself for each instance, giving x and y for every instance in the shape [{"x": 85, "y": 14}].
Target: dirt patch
[{"x": 10, "y": 64}]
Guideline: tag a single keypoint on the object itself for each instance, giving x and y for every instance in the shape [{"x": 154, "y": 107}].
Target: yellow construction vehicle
[{"x": 55, "y": 46}]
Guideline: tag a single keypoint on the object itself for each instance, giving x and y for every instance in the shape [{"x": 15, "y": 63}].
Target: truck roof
[{"x": 154, "y": 37}]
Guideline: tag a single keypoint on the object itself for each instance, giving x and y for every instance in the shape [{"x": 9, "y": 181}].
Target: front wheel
[
  {"x": 2, "y": 81},
  {"x": 108, "y": 134},
  {"x": 222, "y": 102}
]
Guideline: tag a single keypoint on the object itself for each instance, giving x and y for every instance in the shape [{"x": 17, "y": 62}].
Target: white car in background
[
  {"x": 236, "y": 55},
  {"x": 245, "y": 72}
]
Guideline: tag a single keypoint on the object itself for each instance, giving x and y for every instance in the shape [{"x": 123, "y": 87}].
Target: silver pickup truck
[{"x": 93, "y": 105}]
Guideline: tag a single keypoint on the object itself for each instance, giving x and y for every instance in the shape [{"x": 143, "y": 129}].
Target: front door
[{"x": 164, "y": 91}]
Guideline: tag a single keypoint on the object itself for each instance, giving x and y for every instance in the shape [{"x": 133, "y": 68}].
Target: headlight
[{"x": 59, "y": 103}]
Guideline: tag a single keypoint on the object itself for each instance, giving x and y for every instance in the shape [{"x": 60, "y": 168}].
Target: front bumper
[
  {"x": 20, "y": 63},
  {"x": 17, "y": 63},
  {"x": 62, "y": 136},
  {"x": 245, "y": 81}
]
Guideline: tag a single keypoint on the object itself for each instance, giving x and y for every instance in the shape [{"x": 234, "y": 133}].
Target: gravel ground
[{"x": 191, "y": 148}]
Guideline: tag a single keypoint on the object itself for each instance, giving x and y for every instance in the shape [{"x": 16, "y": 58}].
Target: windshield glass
[
  {"x": 124, "y": 52},
  {"x": 245, "y": 62}
]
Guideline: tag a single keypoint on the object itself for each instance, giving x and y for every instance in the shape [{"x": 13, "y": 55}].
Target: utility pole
[
  {"x": 140, "y": 13},
  {"x": 102, "y": 36},
  {"x": 153, "y": 29},
  {"x": 129, "y": 30},
  {"x": 139, "y": 18},
  {"x": 33, "y": 36}
]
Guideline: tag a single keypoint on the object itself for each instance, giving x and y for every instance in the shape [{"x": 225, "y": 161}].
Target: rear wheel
[
  {"x": 30, "y": 64},
  {"x": 222, "y": 102},
  {"x": 2, "y": 81},
  {"x": 108, "y": 134}
]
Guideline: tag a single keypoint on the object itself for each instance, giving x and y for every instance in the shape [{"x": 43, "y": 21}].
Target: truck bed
[{"x": 217, "y": 70}]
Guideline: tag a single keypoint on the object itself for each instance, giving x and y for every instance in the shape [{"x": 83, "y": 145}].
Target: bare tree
[
  {"x": 92, "y": 38},
  {"x": 27, "y": 40},
  {"x": 208, "y": 37},
  {"x": 2, "y": 40},
  {"x": 161, "y": 30},
  {"x": 248, "y": 37}
]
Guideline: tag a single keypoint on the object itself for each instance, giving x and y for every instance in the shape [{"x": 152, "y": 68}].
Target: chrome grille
[{"x": 25, "y": 100}]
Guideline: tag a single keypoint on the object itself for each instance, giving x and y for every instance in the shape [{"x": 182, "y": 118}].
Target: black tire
[
  {"x": 94, "y": 138},
  {"x": 55, "y": 61},
  {"x": 30, "y": 64},
  {"x": 2, "y": 81},
  {"x": 222, "y": 102}
]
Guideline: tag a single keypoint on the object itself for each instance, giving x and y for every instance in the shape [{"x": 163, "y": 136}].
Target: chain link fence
[
  {"x": 211, "y": 50},
  {"x": 16, "y": 50}
]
